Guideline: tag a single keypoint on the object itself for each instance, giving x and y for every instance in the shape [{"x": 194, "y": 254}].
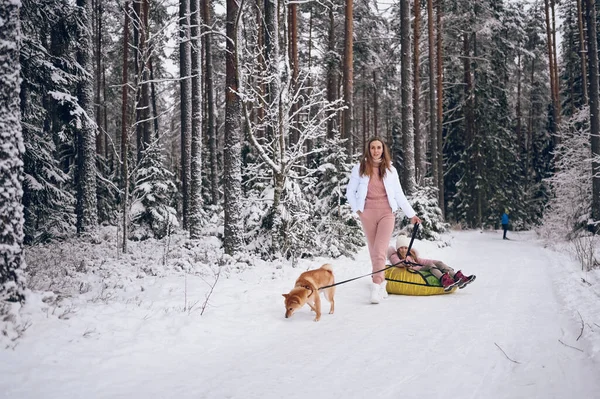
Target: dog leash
[{"x": 403, "y": 262}]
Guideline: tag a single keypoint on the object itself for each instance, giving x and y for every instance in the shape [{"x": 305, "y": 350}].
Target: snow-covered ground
[{"x": 528, "y": 327}]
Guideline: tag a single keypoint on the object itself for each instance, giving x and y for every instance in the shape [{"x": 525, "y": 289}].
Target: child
[{"x": 439, "y": 269}]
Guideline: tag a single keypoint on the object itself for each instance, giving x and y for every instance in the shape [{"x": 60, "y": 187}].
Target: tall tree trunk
[
  {"x": 87, "y": 212},
  {"x": 375, "y": 106},
  {"x": 440, "y": 109},
  {"x": 232, "y": 151},
  {"x": 555, "y": 64},
  {"x": 419, "y": 138},
  {"x": 331, "y": 69},
  {"x": 185, "y": 71},
  {"x": 12, "y": 261},
  {"x": 432, "y": 110},
  {"x": 262, "y": 67},
  {"x": 153, "y": 99},
  {"x": 594, "y": 107},
  {"x": 408, "y": 144},
  {"x": 101, "y": 137},
  {"x": 529, "y": 139},
  {"x": 551, "y": 68},
  {"x": 518, "y": 110},
  {"x": 309, "y": 142},
  {"x": 294, "y": 63},
  {"x": 144, "y": 105},
  {"x": 271, "y": 35},
  {"x": 135, "y": 27},
  {"x": 211, "y": 129},
  {"x": 582, "y": 52},
  {"x": 195, "y": 215},
  {"x": 347, "y": 114},
  {"x": 469, "y": 102},
  {"x": 125, "y": 128}
]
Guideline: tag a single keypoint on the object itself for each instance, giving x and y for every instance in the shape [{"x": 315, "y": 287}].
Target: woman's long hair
[{"x": 366, "y": 162}]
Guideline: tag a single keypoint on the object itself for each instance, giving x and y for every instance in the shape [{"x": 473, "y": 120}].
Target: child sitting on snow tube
[{"x": 446, "y": 275}]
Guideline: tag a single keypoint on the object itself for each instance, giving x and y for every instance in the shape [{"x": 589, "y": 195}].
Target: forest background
[{"x": 241, "y": 121}]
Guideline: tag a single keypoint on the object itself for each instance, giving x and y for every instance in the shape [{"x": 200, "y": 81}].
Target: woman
[
  {"x": 374, "y": 193},
  {"x": 447, "y": 276}
]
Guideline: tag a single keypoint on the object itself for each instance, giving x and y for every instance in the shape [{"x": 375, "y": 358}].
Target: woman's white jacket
[{"x": 356, "y": 191}]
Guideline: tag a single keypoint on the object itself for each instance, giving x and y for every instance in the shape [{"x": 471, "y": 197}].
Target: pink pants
[{"x": 378, "y": 226}]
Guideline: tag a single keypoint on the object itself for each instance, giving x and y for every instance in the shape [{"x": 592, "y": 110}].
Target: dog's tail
[{"x": 328, "y": 267}]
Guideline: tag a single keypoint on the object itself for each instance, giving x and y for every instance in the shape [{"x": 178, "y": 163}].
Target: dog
[{"x": 306, "y": 290}]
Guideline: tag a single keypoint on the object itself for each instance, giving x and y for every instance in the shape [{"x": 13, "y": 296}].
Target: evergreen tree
[
  {"x": 152, "y": 208},
  {"x": 47, "y": 81}
]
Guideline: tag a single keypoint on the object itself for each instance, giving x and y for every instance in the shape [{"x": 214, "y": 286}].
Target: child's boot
[
  {"x": 463, "y": 280},
  {"x": 383, "y": 288},
  {"x": 447, "y": 282}
]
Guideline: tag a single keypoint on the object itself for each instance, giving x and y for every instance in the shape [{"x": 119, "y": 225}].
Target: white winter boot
[
  {"x": 384, "y": 293},
  {"x": 375, "y": 293}
]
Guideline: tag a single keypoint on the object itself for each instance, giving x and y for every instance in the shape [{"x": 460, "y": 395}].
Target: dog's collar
[{"x": 307, "y": 288}]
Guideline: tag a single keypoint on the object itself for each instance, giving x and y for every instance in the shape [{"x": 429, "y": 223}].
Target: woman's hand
[{"x": 415, "y": 219}]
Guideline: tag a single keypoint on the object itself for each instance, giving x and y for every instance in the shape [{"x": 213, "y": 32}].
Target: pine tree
[
  {"x": 48, "y": 81},
  {"x": 152, "y": 206}
]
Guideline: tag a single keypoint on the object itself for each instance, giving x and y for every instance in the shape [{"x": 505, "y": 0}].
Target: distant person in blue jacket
[{"x": 505, "y": 223}]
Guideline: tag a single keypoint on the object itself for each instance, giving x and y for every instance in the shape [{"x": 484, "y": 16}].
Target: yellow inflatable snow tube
[{"x": 402, "y": 281}]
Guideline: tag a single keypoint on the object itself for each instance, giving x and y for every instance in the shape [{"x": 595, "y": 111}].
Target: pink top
[
  {"x": 394, "y": 258},
  {"x": 376, "y": 194}
]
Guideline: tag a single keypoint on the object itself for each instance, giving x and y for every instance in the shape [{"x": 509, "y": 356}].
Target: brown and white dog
[{"x": 306, "y": 290}]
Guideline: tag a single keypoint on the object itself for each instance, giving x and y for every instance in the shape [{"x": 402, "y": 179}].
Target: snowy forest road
[
  {"x": 497, "y": 338},
  {"x": 500, "y": 337}
]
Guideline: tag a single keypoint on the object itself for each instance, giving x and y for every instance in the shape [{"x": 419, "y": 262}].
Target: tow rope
[{"x": 402, "y": 263}]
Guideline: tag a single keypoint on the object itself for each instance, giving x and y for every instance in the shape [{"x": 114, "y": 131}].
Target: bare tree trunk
[
  {"x": 124, "y": 128},
  {"x": 552, "y": 69},
  {"x": 153, "y": 99},
  {"x": 468, "y": 82},
  {"x": 331, "y": 70},
  {"x": 310, "y": 143},
  {"x": 101, "y": 136},
  {"x": 271, "y": 35},
  {"x": 348, "y": 75},
  {"x": 293, "y": 56},
  {"x": 195, "y": 217},
  {"x": 145, "y": 70},
  {"x": 211, "y": 128},
  {"x": 87, "y": 210},
  {"x": 518, "y": 110},
  {"x": 432, "y": 111},
  {"x": 582, "y": 52},
  {"x": 375, "y": 106},
  {"x": 232, "y": 151},
  {"x": 594, "y": 107},
  {"x": 185, "y": 60},
  {"x": 440, "y": 109},
  {"x": 408, "y": 144},
  {"x": 530, "y": 120},
  {"x": 419, "y": 138},
  {"x": 555, "y": 64}
]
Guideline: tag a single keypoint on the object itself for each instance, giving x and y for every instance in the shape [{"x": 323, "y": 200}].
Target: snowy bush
[{"x": 568, "y": 211}]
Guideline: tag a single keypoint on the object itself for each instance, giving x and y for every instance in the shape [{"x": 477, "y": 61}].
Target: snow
[{"x": 513, "y": 333}]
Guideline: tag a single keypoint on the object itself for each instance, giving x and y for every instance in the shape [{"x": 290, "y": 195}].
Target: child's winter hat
[{"x": 402, "y": 241}]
